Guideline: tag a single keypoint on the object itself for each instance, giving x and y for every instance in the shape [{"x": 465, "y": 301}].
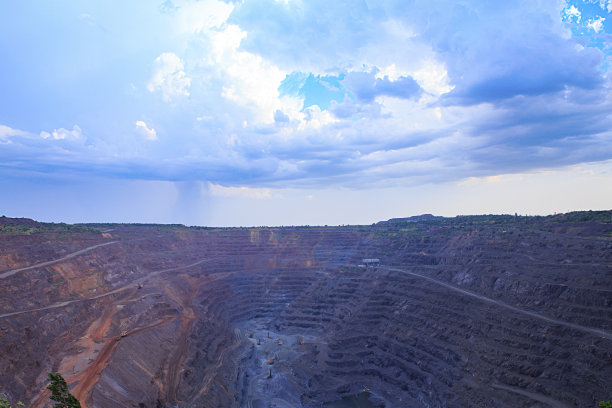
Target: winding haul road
[
  {"x": 66, "y": 303},
  {"x": 12, "y": 272},
  {"x": 590, "y": 330},
  {"x": 112, "y": 292}
]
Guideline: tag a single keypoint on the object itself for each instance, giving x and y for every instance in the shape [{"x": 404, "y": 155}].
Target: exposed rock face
[{"x": 472, "y": 311}]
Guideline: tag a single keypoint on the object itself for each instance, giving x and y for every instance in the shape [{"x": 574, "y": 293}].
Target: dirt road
[
  {"x": 90, "y": 377},
  {"x": 589, "y": 330},
  {"x": 12, "y": 272},
  {"x": 112, "y": 292}
]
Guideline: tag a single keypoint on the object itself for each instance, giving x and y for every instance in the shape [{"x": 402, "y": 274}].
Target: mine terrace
[{"x": 473, "y": 311}]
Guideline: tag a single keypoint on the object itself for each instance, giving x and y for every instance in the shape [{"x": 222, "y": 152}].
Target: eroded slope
[{"x": 473, "y": 311}]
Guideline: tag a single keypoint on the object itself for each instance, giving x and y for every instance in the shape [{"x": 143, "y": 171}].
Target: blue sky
[{"x": 277, "y": 112}]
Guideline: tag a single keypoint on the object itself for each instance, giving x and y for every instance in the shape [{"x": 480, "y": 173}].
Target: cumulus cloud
[
  {"x": 64, "y": 134},
  {"x": 226, "y": 76},
  {"x": 311, "y": 93},
  {"x": 572, "y": 14},
  {"x": 250, "y": 80},
  {"x": 196, "y": 17},
  {"x": 169, "y": 77},
  {"x": 366, "y": 86},
  {"x": 280, "y": 117},
  {"x": 606, "y": 5},
  {"x": 431, "y": 76},
  {"x": 596, "y": 24},
  {"x": 488, "y": 61},
  {"x": 144, "y": 131},
  {"x": 483, "y": 53},
  {"x": 305, "y": 35}
]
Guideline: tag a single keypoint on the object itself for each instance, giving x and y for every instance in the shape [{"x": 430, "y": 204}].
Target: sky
[{"x": 303, "y": 112}]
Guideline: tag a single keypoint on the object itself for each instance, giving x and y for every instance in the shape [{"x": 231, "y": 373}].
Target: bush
[
  {"x": 4, "y": 402},
  {"x": 60, "y": 394}
]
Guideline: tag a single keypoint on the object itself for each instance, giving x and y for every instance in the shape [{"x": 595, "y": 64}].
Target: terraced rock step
[
  {"x": 410, "y": 344},
  {"x": 481, "y": 311}
]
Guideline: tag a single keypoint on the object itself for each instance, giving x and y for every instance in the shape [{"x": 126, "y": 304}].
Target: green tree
[
  {"x": 5, "y": 403},
  {"x": 60, "y": 394},
  {"x": 605, "y": 404}
]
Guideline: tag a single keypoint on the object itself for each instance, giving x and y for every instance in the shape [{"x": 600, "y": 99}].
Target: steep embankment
[{"x": 473, "y": 311}]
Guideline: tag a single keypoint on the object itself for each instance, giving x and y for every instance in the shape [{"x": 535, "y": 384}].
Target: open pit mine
[{"x": 471, "y": 311}]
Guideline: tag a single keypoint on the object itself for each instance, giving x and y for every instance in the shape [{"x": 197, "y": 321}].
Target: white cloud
[
  {"x": 231, "y": 68},
  {"x": 225, "y": 42},
  {"x": 7, "y": 132},
  {"x": 75, "y": 134},
  {"x": 606, "y": 5},
  {"x": 251, "y": 80},
  {"x": 572, "y": 13},
  {"x": 315, "y": 118},
  {"x": 169, "y": 77},
  {"x": 241, "y": 192},
  {"x": 392, "y": 72},
  {"x": 596, "y": 24},
  {"x": 417, "y": 59},
  {"x": 433, "y": 78},
  {"x": 143, "y": 129},
  {"x": 193, "y": 17}
]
